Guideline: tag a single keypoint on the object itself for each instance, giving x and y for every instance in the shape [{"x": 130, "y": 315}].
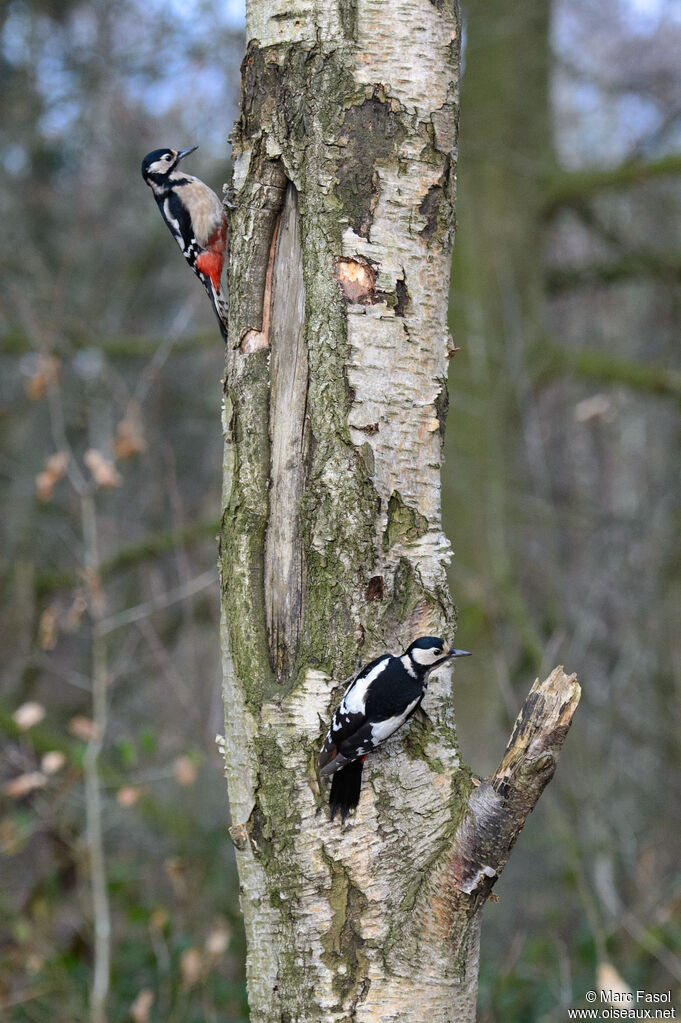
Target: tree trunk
[{"x": 332, "y": 550}]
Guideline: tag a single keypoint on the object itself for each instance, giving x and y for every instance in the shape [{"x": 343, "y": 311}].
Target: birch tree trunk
[{"x": 332, "y": 550}]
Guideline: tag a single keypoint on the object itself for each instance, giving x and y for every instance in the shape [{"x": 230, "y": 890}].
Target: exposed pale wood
[
  {"x": 288, "y": 400},
  {"x": 255, "y": 340}
]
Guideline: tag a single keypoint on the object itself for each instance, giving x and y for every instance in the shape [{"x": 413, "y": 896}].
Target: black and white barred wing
[{"x": 349, "y": 726}]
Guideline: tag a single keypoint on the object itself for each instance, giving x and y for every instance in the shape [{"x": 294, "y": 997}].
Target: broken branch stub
[{"x": 499, "y": 806}]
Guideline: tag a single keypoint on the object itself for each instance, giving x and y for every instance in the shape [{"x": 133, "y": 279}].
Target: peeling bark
[
  {"x": 288, "y": 439},
  {"x": 332, "y": 549}
]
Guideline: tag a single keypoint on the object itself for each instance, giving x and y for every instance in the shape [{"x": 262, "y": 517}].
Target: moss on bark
[{"x": 348, "y": 140}]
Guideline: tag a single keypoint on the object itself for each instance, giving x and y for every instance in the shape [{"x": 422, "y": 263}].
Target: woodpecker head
[
  {"x": 159, "y": 165},
  {"x": 430, "y": 652}
]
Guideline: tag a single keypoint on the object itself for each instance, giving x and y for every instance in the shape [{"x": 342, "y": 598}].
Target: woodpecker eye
[{"x": 167, "y": 157}]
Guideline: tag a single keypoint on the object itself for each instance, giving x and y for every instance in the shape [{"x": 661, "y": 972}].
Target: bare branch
[
  {"x": 666, "y": 267},
  {"x": 174, "y": 596},
  {"x": 568, "y": 188},
  {"x": 552, "y": 360},
  {"x": 153, "y": 546},
  {"x": 499, "y": 806}
]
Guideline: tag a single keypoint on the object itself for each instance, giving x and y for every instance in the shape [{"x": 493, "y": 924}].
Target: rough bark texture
[{"x": 331, "y": 547}]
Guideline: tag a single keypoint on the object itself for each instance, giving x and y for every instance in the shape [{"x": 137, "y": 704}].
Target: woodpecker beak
[
  {"x": 185, "y": 152},
  {"x": 451, "y": 652}
]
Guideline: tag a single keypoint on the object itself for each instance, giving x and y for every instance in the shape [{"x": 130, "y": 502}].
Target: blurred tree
[
  {"x": 563, "y": 285},
  {"x": 498, "y": 312}
]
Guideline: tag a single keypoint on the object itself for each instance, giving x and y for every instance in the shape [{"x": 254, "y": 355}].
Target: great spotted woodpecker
[
  {"x": 383, "y": 696},
  {"x": 196, "y": 219}
]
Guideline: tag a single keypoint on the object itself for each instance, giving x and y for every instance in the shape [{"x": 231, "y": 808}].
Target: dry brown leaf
[
  {"x": 128, "y": 795},
  {"x": 47, "y": 371},
  {"x": 44, "y": 487},
  {"x": 47, "y": 629},
  {"x": 28, "y": 715},
  {"x": 217, "y": 941},
  {"x": 52, "y": 761},
  {"x": 22, "y": 785},
  {"x": 129, "y": 438},
  {"x": 175, "y": 870},
  {"x": 191, "y": 967},
  {"x": 95, "y": 590},
  {"x": 53, "y": 470},
  {"x": 83, "y": 728},
  {"x": 57, "y": 463},
  {"x": 185, "y": 771},
  {"x": 75, "y": 613},
  {"x": 104, "y": 472},
  {"x": 141, "y": 1007}
]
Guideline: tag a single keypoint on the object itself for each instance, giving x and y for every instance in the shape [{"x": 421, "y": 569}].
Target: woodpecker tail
[
  {"x": 220, "y": 307},
  {"x": 345, "y": 789}
]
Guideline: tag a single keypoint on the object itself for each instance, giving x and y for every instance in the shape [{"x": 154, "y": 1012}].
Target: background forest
[{"x": 562, "y": 499}]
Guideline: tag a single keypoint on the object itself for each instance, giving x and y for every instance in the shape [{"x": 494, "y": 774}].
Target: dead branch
[{"x": 500, "y": 805}]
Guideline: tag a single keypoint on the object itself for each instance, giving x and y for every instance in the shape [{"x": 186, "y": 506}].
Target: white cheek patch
[{"x": 426, "y": 657}]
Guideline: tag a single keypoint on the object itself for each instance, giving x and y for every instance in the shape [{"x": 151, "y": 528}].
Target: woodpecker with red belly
[
  {"x": 381, "y": 699},
  {"x": 195, "y": 217}
]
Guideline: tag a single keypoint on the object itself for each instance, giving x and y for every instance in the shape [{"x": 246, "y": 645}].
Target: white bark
[{"x": 332, "y": 546}]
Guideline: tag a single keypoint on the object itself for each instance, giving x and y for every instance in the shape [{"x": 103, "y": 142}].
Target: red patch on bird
[{"x": 210, "y": 264}]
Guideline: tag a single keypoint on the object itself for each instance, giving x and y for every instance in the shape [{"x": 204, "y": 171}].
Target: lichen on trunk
[{"x": 332, "y": 550}]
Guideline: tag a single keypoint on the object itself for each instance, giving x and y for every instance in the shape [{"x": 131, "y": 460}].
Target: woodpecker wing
[
  {"x": 205, "y": 209},
  {"x": 371, "y": 734},
  {"x": 350, "y": 715},
  {"x": 369, "y": 713}
]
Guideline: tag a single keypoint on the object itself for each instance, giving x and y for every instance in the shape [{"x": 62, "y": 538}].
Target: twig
[
  {"x": 25, "y": 996},
  {"x": 565, "y": 278},
  {"x": 178, "y": 593},
  {"x": 167, "y": 665},
  {"x": 652, "y": 944},
  {"x": 124, "y": 347},
  {"x": 93, "y": 794},
  {"x": 568, "y": 187},
  {"x": 93, "y": 799},
  {"x": 551, "y": 361},
  {"x": 162, "y": 353},
  {"x": 136, "y": 554}
]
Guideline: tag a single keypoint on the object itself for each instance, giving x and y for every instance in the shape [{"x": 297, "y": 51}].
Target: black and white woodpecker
[
  {"x": 195, "y": 217},
  {"x": 380, "y": 700}
]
